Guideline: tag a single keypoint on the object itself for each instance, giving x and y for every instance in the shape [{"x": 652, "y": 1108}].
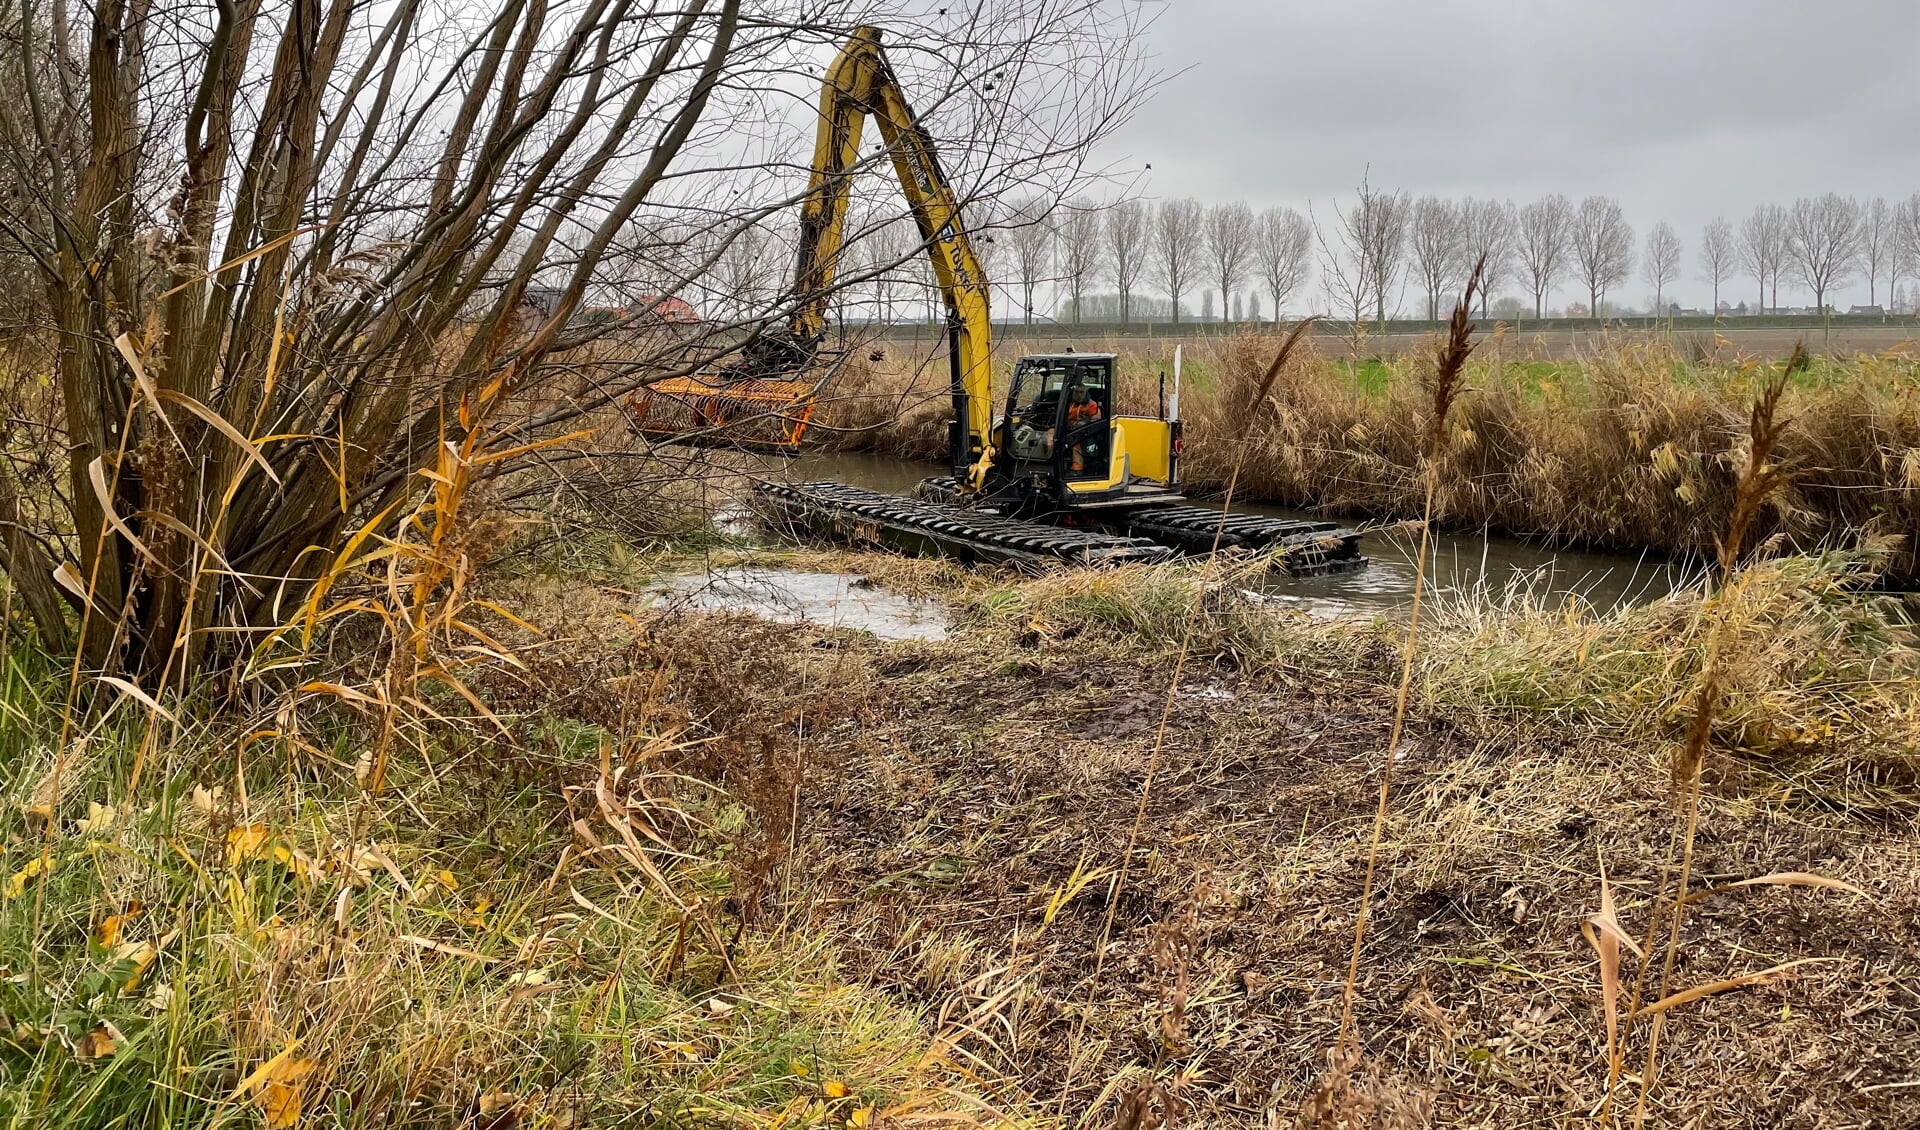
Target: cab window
[
  {"x": 1034, "y": 405},
  {"x": 1041, "y": 389}
]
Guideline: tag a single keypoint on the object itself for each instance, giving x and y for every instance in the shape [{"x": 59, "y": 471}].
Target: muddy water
[
  {"x": 1462, "y": 566},
  {"x": 792, "y": 596}
]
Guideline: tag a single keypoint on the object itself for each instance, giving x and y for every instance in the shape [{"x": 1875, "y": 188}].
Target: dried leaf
[
  {"x": 244, "y": 842},
  {"x": 99, "y": 818},
  {"x": 219, "y": 423},
  {"x": 108, "y": 932},
  {"x": 34, "y": 868},
  {"x": 141, "y": 956},
  {"x": 1698, "y": 992},
  {"x": 372, "y": 854},
  {"x": 279, "y": 1105},
  {"x": 1603, "y": 933},
  {"x": 102, "y": 1041},
  {"x": 343, "y": 693},
  {"x": 133, "y": 691},
  {"x": 69, "y": 578},
  {"x": 97, "y": 476},
  {"x": 1782, "y": 879},
  {"x": 259, "y": 1076},
  {"x": 834, "y": 1089},
  {"x": 299, "y": 863},
  {"x": 276, "y": 1089},
  {"x": 124, "y": 343}
]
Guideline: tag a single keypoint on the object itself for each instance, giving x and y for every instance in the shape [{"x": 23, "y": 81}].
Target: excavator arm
[{"x": 860, "y": 84}]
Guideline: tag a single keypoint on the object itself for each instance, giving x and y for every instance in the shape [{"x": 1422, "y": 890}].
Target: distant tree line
[{"x": 1387, "y": 253}]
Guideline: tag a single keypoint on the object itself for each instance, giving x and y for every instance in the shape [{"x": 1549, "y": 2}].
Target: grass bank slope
[
  {"x": 710, "y": 871},
  {"x": 539, "y": 929}
]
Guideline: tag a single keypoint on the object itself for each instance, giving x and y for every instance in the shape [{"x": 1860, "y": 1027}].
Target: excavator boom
[{"x": 860, "y": 84}]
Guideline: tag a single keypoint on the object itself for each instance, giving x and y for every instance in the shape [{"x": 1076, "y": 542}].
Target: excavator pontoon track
[
  {"x": 1156, "y": 533},
  {"x": 1301, "y": 548},
  {"x": 856, "y": 514}
]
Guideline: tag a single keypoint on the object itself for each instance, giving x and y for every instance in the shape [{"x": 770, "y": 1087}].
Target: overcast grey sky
[{"x": 1683, "y": 109}]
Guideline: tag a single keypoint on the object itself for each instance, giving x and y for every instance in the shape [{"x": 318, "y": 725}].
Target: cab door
[
  {"x": 1032, "y": 418},
  {"x": 1083, "y": 450}
]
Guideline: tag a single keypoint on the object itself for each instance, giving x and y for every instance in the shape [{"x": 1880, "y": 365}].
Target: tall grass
[
  {"x": 489, "y": 947},
  {"x": 1631, "y": 447}
]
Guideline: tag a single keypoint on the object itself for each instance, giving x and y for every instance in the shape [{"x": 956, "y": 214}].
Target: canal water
[{"x": 1461, "y": 566}]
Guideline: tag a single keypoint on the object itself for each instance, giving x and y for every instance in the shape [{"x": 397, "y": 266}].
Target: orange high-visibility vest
[{"x": 1078, "y": 414}]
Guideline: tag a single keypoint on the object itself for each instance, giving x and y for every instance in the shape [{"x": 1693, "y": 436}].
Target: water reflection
[{"x": 1480, "y": 568}]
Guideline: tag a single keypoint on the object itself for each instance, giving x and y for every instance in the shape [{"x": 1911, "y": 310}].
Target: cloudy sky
[{"x": 1682, "y": 109}]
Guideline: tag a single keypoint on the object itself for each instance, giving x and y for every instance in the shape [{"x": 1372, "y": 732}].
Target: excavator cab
[
  {"x": 1063, "y": 440},
  {"x": 1055, "y": 425}
]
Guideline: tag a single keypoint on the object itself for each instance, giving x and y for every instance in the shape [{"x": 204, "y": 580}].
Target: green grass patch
[{"x": 502, "y": 938}]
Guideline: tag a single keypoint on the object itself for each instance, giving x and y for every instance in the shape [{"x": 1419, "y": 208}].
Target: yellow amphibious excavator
[{"x": 1058, "y": 472}]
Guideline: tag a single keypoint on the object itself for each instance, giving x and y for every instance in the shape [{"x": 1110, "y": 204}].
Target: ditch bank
[{"x": 956, "y": 815}]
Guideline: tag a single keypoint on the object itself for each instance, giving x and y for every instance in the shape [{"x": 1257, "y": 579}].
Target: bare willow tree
[
  {"x": 886, "y": 247},
  {"x": 1283, "y": 254},
  {"x": 1361, "y": 257},
  {"x": 1718, "y": 255},
  {"x": 287, "y": 252},
  {"x": 1436, "y": 239},
  {"x": 1824, "y": 241},
  {"x": 1229, "y": 240},
  {"x": 1906, "y": 238},
  {"x": 1030, "y": 245},
  {"x": 1489, "y": 237},
  {"x": 1380, "y": 219},
  {"x": 1877, "y": 246},
  {"x": 1078, "y": 252},
  {"x": 1178, "y": 243},
  {"x": 1602, "y": 242},
  {"x": 1126, "y": 250},
  {"x": 748, "y": 266},
  {"x": 1765, "y": 241},
  {"x": 1661, "y": 262},
  {"x": 1546, "y": 233}
]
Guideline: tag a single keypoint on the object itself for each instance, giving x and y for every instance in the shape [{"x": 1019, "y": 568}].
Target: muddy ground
[{"x": 947, "y": 795}]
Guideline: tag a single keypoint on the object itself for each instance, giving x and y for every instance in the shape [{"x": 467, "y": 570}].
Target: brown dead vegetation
[{"x": 961, "y": 814}]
